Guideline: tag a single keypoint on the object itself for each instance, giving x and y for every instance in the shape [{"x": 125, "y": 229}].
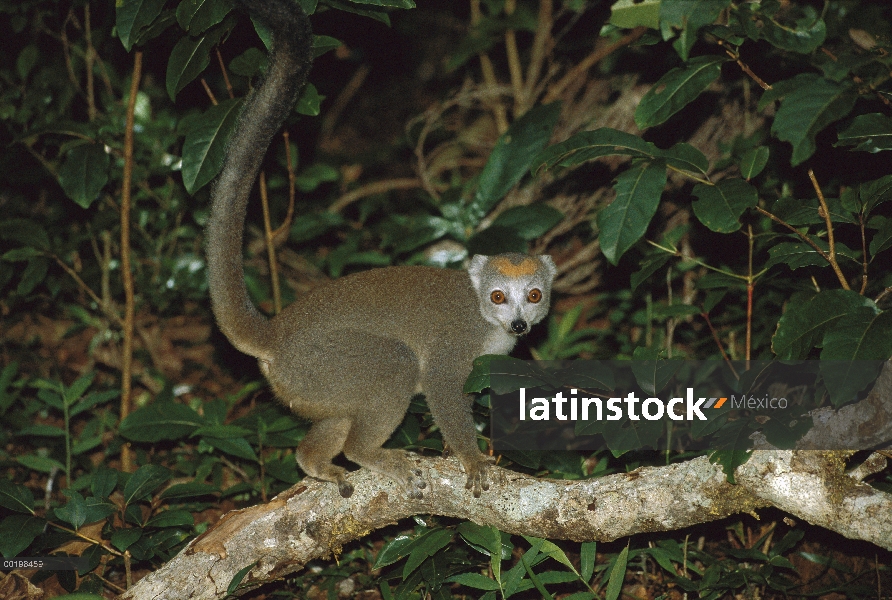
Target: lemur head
[{"x": 514, "y": 289}]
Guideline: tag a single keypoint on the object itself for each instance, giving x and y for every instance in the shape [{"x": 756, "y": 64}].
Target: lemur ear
[
  {"x": 475, "y": 270},
  {"x": 550, "y": 267}
]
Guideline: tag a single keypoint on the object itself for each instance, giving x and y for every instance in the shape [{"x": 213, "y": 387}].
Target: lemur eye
[
  {"x": 497, "y": 297},
  {"x": 534, "y": 296}
]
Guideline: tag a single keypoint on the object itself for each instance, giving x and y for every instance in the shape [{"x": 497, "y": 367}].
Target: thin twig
[
  {"x": 126, "y": 273},
  {"x": 538, "y": 52},
  {"x": 589, "y": 61},
  {"x": 825, "y": 212},
  {"x": 376, "y": 187},
  {"x": 489, "y": 74},
  {"x": 225, "y": 75},
  {"x": 514, "y": 67},
  {"x": 270, "y": 247},
  {"x": 718, "y": 342}
]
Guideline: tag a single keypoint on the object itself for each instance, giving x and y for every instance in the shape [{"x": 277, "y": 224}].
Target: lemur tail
[{"x": 264, "y": 111}]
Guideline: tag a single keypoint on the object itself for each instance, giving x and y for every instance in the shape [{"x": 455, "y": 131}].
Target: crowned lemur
[{"x": 351, "y": 354}]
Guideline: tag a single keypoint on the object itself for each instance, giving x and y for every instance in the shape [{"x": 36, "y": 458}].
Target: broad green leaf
[
  {"x": 753, "y": 161},
  {"x": 882, "y": 239},
  {"x": 393, "y": 551},
  {"x": 587, "y": 557},
  {"x": 310, "y": 101},
  {"x": 27, "y": 60},
  {"x": 74, "y": 511},
  {"x": 205, "y": 145},
  {"x": 104, "y": 482},
  {"x": 512, "y": 156},
  {"x": 808, "y": 211},
  {"x": 688, "y": 16},
  {"x": 43, "y": 464},
  {"x": 425, "y": 546},
  {"x": 84, "y": 173},
  {"x": 804, "y": 323},
  {"x": 172, "y": 518},
  {"x": 648, "y": 267},
  {"x": 124, "y": 538},
  {"x": 41, "y": 430},
  {"x": 144, "y": 481},
  {"x": 237, "y": 447},
  {"x": 587, "y": 145},
  {"x": 863, "y": 335},
  {"x": 324, "y": 43},
  {"x": 529, "y": 222},
  {"x": 197, "y": 16},
  {"x": 735, "y": 447},
  {"x": 93, "y": 399},
  {"x": 652, "y": 373},
  {"x": 719, "y": 206},
  {"x": 34, "y": 274},
  {"x": 799, "y": 254},
  {"x": 870, "y": 133},
  {"x": 16, "y": 497},
  {"x": 17, "y": 532},
  {"x": 160, "y": 421},
  {"x": 872, "y": 193},
  {"x": 133, "y": 16},
  {"x": 626, "y": 219},
  {"x": 26, "y": 232},
  {"x": 190, "y": 490},
  {"x": 617, "y": 575},
  {"x": 676, "y": 89},
  {"x": 811, "y": 105},
  {"x": 237, "y": 579},
  {"x": 629, "y": 14},
  {"x": 809, "y": 32},
  {"x": 189, "y": 57},
  {"x": 685, "y": 157},
  {"x": 77, "y": 389},
  {"x": 474, "y": 580}
]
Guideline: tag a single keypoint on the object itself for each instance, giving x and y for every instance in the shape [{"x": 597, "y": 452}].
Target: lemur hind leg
[{"x": 324, "y": 441}]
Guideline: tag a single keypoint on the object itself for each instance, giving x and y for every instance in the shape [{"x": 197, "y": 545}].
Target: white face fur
[{"x": 514, "y": 289}]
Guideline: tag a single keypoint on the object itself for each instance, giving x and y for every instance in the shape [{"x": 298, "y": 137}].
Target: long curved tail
[{"x": 264, "y": 111}]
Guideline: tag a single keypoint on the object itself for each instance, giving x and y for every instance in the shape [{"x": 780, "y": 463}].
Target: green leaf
[
  {"x": 799, "y": 254},
  {"x": 189, "y": 57},
  {"x": 688, "y": 16},
  {"x": 190, "y": 490},
  {"x": 629, "y": 14},
  {"x": 144, "y": 481},
  {"x": 172, "y": 518},
  {"x": 16, "y": 497},
  {"x": 34, "y": 273},
  {"x": 753, "y": 161},
  {"x": 882, "y": 239},
  {"x": 124, "y": 538},
  {"x": 872, "y": 193},
  {"x": 512, "y": 156},
  {"x": 626, "y": 219},
  {"x": 160, "y": 421},
  {"x": 685, "y": 157},
  {"x": 310, "y": 101},
  {"x": 388, "y": 3},
  {"x": 804, "y": 323},
  {"x": 74, "y": 511},
  {"x": 25, "y": 232},
  {"x": 649, "y": 266},
  {"x": 474, "y": 580},
  {"x": 84, "y": 173},
  {"x": 237, "y": 447},
  {"x": 197, "y": 16},
  {"x": 676, "y": 89},
  {"x": 869, "y": 133},
  {"x": 104, "y": 482},
  {"x": 237, "y": 579},
  {"x": 587, "y": 145},
  {"x": 529, "y": 222},
  {"x": 617, "y": 575},
  {"x": 735, "y": 447},
  {"x": 205, "y": 145},
  {"x": 425, "y": 546},
  {"x": 811, "y": 105},
  {"x": 17, "y": 532},
  {"x": 393, "y": 551},
  {"x": 43, "y": 464},
  {"x": 809, "y": 32},
  {"x": 133, "y": 16},
  {"x": 865, "y": 334},
  {"x": 652, "y": 373},
  {"x": 587, "y": 557},
  {"x": 719, "y": 206},
  {"x": 324, "y": 43}
]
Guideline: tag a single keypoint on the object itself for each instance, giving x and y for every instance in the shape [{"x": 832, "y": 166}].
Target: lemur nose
[{"x": 518, "y": 326}]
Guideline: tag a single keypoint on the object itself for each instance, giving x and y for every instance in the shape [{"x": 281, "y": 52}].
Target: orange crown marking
[{"x": 527, "y": 266}]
